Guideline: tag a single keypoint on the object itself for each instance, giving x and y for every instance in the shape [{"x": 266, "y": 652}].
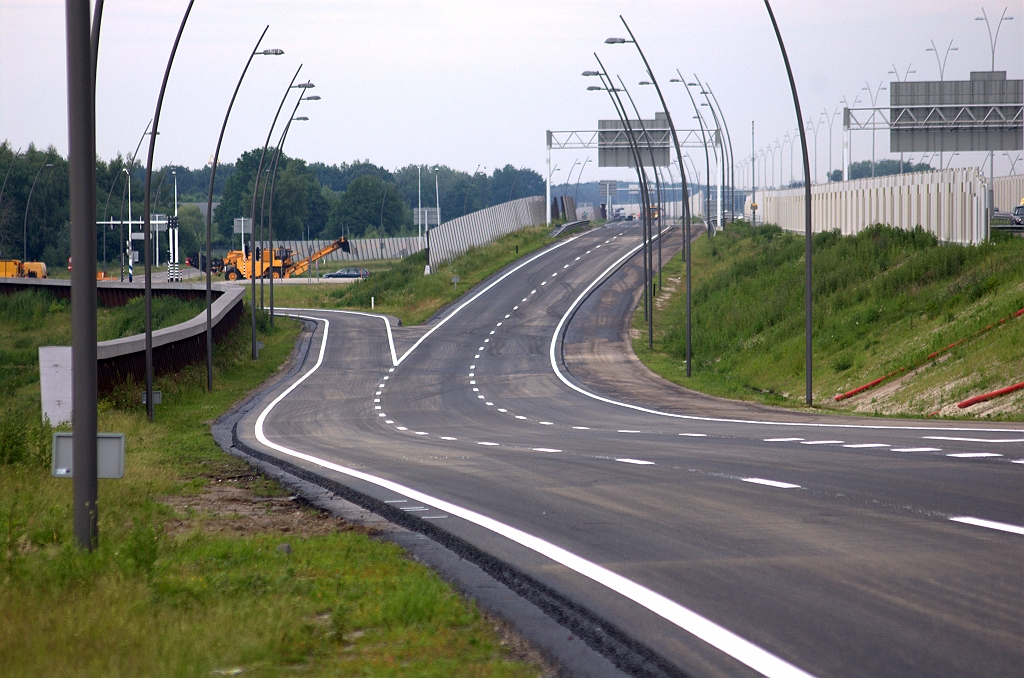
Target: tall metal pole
[
  {"x": 24, "y": 237},
  {"x": 14, "y": 159},
  {"x": 150, "y": 408},
  {"x": 753, "y": 176},
  {"x": 732, "y": 157},
  {"x": 252, "y": 214},
  {"x": 707, "y": 158},
  {"x": 682, "y": 172},
  {"x": 809, "y": 352},
  {"x": 82, "y": 189},
  {"x": 209, "y": 217}
]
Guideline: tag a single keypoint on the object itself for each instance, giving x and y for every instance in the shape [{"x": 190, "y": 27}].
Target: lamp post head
[
  {"x": 301, "y": 117},
  {"x": 272, "y": 52},
  {"x": 588, "y": 74},
  {"x": 645, "y": 82},
  {"x": 304, "y": 85},
  {"x": 594, "y": 88},
  {"x": 311, "y": 98},
  {"x": 691, "y": 84},
  {"x": 674, "y": 80},
  {"x": 616, "y": 41}
]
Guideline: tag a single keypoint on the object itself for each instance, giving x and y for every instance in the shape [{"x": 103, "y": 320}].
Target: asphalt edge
[{"x": 539, "y": 613}]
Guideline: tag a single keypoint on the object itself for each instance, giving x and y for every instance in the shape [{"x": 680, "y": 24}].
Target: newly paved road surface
[{"x": 729, "y": 539}]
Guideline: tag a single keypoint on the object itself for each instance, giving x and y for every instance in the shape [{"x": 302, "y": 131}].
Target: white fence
[
  {"x": 454, "y": 238},
  {"x": 952, "y": 204},
  {"x": 1007, "y": 192},
  {"x": 363, "y": 249}
]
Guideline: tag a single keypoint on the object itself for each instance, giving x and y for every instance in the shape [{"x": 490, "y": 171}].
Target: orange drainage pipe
[
  {"x": 989, "y": 396},
  {"x": 931, "y": 356}
]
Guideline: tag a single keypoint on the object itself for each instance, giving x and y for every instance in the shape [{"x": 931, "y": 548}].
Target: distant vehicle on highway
[
  {"x": 348, "y": 273},
  {"x": 1017, "y": 218}
]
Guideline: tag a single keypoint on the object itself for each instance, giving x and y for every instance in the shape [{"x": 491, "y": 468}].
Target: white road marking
[
  {"x": 566, "y": 266},
  {"x": 499, "y": 324},
  {"x": 415, "y": 508},
  {"x": 822, "y": 442},
  {"x": 641, "y": 462},
  {"x": 402, "y": 428},
  {"x": 626, "y": 430},
  {"x": 477, "y": 355},
  {"x": 545, "y": 423},
  {"x": 376, "y": 407},
  {"x": 386, "y": 378},
  {"x": 553, "y": 359},
  {"x": 694, "y": 435},
  {"x": 434, "y": 517},
  {"x": 480, "y": 397},
  {"x": 395, "y": 501},
  {"x": 492, "y": 332},
  {"x": 582, "y": 428},
  {"x": 448, "y": 438},
  {"x": 867, "y": 445},
  {"x": 554, "y": 274},
  {"x": 973, "y": 455},
  {"x": 377, "y": 393},
  {"x": 382, "y": 415},
  {"x": 388, "y": 421},
  {"x": 489, "y": 444},
  {"x": 770, "y": 483},
  {"x": 1017, "y": 461},
  {"x": 376, "y": 400},
  {"x": 519, "y": 416},
  {"x": 502, "y": 409},
  {"x": 481, "y": 349},
  {"x": 531, "y": 292},
  {"x": 486, "y": 341},
  {"x": 990, "y": 524},
  {"x": 577, "y": 258},
  {"x": 422, "y": 433},
  {"x": 976, "y": 440},
  {"x": 472, "y": 381},
  {"x": 472, "y": 367},
  {"x": 917, "y": 449},
  {"x": 489, "y": 404},
  {"x": 699, "y": 626},
  {"x": 545, "y": 449},
  {"x": 380, "y": 385},
  {"x": 507, "y": 316},
  {"x": 544, "y": 283},
  {"x": 516, "y": 308},
  {"x": 476, "y": 389}
]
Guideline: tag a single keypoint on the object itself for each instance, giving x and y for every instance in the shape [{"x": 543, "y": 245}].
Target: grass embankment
[
  {"x": 190, "y": 577},
  {"x": 883, "y": 300},
  {"x": 403, "y": 291}
]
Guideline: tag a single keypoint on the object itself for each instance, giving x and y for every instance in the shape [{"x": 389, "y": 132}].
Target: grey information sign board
[{"x": 109, "y": 453}]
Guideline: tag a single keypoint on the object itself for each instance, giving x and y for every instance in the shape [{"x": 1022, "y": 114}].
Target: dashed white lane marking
[
  {"x": 376, "y": 400},
  {"x": 782, "y": 440},
  {"x": 917, "y": 449},
  {"x": 694, "y": 435},
  {"x": 422, "y": 433},
  {"x": 486, "y": 341},
  {"x": 577, "y": 258},
  {"x": 481, "y": 348},
  {"x": 545, "y": 449},
  {"x": 380, "y": 385},
  {"x": 402, "y": 428},
  {"x": 472, "y": 367},
  {"x": 395, "y": 501},
  {"x": 489, "y": 404},
  {"x": 976, "y": 440},
  {"x": 990, "y": 524},
  {"x": 502, "y": 409},
  {"x": 545, "y": 423},
  {"x": 822, "y": 442},
  {"x": 376, "y": 407},
  {"x": 627, "y": 430},
  {"x": 582, "y": 428},
  {"x": 472, "y": 381},
  {"x": 516, "y": 308},
  {"x": 641, "y": 462},
  {"x": 770, "y": 483},
  {"x": 477, "y": 355},
  {"x": 699, "y": 626},
  {"x": 448, "y": 438},
  {"x": 507, "y": 316},
  {"x": 412, "y": 509},
  {"x": 386, "y": 377},
  {"x": 492, "y": 332},
  {"x": 566, "y": 266},
  {"x": 388, "y": 421},
  {"x": 554, "y": 274},
  {"x": 480, "y": 397},
  {"x": 488, "y": 444},
  {"x": 475, "y": 389},
  {"x": 973, "y": 455},
  {"x": 867, "y": 445},
  {"x": 531, "y": 292},
  {"x": 1017, "y": 461},
  {"x": 544, "y": 283}
]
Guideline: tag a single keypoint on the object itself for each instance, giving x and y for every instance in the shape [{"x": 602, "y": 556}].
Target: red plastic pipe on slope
[
  {"x": 989, "y": 396},
  {"x": 932, "y": 356}
]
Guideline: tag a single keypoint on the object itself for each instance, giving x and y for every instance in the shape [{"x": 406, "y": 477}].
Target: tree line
[{"x": 358, "y": 199}]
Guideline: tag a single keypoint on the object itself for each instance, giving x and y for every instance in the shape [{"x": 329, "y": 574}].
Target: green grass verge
[
  {"x": 403, "y": 291},
  {"x": 883, "y": 300},
  {"x": 164, "y": 595}
]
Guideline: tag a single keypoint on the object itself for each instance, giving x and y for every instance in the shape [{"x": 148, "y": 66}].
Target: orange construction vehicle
[
  {"x": 13, "y": 268},
  {"x": 281, "y": 265}
]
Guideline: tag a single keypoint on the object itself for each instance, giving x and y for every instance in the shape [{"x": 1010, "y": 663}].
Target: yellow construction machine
[
  {"x": 13, "y": 268},
  {"x": 279, "y": 264}
]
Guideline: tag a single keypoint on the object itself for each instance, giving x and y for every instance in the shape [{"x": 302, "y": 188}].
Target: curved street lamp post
[
  {"x": 209, "y": 209},
  {"x": 24, "y": 237}
]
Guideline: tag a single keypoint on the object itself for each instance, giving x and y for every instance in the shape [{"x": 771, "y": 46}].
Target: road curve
[{"x": 705, "y": 537}]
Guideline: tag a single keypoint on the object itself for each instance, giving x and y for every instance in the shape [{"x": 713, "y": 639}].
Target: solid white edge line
[
  {"x": 717, "y": 636},
  {"x": 990, "y": 524},
  {"x": 976, "y": 440},
  {"x": 387, "y": 323},
  {"x": 608, "y": 271}
]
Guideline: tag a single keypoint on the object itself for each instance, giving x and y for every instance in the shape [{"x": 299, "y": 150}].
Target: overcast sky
[{"x": 473, "y": 83}]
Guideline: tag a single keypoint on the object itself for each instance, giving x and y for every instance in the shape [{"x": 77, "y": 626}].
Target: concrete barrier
[{"x": 174, "y": 347}]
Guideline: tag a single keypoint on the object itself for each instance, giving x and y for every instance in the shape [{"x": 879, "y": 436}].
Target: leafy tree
[
  {"x": 510, "y": 183},
  {"x": 369, "y": 207},
  {"x": 862, "y": 169}
]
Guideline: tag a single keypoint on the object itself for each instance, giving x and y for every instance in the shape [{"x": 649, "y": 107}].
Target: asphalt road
[{"x": 726, "y": 539}]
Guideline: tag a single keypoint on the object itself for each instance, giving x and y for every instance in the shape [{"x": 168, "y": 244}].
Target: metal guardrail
[{"x": 174, "y": 347}]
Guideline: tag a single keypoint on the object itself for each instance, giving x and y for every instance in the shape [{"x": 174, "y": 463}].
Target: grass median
[
  {"x": 883, "y": 301},
  {"x": 203, "y": 567},
  {"x": 404, "y": 291}
]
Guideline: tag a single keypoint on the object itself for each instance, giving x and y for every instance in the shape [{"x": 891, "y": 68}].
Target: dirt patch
[{"x": 229, "y": 505}]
